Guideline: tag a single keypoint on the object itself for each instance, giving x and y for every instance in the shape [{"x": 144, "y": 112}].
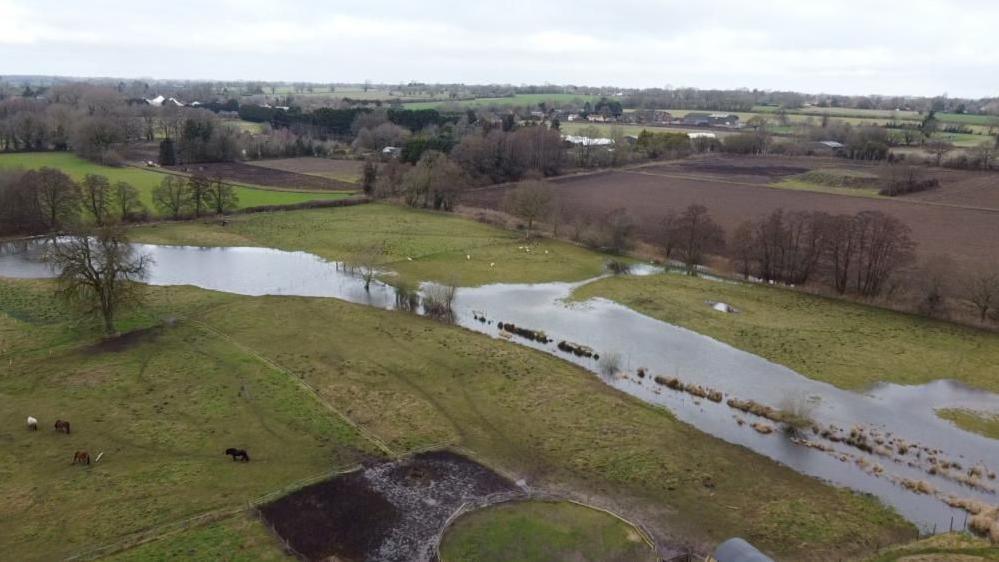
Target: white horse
[{"x": 32, "y": 424}]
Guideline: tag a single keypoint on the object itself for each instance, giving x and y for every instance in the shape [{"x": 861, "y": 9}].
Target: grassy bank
[
  {"x": 164, "y": 405},
  {"x": 953, "y": 547},
  {"x": 983, "y": 423},
  {"x": 846, "y": 344},
  {"x": 146, "y": 180},
  {"x": 419, "y": 245},
  {"x": 542, "y": 532}
]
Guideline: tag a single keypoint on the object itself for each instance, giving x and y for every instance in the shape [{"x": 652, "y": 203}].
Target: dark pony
[
  {"x": 238, "y": 454},
  {"x": 81, "y": 457},
  {"x": 62, "y": 425}
]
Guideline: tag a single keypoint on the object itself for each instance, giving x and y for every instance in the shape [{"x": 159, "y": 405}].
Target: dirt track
[{"x": 736, "y": 194}]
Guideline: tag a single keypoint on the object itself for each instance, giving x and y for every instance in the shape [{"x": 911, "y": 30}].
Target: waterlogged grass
[
  {"x": 146, "y": 180},
  {"x": 418, "y": 245},
  {"x": 849, "y": 345},
  {"x": 542, "y": 532},
  {"x": 164, "y": 407},
  {"x": 983, "y": 423}
]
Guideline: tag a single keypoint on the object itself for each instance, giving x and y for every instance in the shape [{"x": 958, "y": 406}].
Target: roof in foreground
[{"x": 738, "y": 550}]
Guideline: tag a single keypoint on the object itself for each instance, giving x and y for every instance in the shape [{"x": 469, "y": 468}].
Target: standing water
[{"x": 897, "y": 439}]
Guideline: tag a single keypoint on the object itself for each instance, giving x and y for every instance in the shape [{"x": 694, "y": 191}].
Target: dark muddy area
[
  {"x": 384, "y": 513},
  {"x": 126, "y": 341}
]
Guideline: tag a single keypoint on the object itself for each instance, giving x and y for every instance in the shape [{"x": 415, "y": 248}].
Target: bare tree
[
  {"x": 939, "y": 149},
  {"x": 97, "y": 197},
  {"x": 99, "y": 270},
  {"x": 58, "y": 196},
  {"x": 698, "y": 235},
  {"x": 365, "y": 263},
  {"x": 981, "y": 287},
  {"x": 198, "y": 186},
  {"x": 172, "y": 196},
  {"x": 435, "y": 181},
  {"x": 742, "y": 248},
  {"x": 126, "y": 200},
  {"x": 221, "y": 196},
  {"x": 530, "y": 201}
]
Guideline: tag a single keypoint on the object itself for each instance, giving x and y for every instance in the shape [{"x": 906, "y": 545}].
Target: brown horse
[
  {"x": 240, "y": 454},
  {"x": 62, "y": 425},
  {"x": 81, "y": 457}
]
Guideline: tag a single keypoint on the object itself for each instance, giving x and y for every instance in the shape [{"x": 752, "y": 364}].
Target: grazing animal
[
  {"x": 238, "y": 454},
  {"x": 81, "y": 457},
  {"x": 62, "y": 425},
  {"x": 32, "y": 424}
]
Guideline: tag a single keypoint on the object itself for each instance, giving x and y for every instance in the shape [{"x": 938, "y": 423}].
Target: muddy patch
[
  {"x": 126, "y": 341},
  {"x": 238, "y": 172},
  {"x": 387, "y": 512}
]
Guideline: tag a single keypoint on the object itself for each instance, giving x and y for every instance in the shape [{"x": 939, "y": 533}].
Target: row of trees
[{"x": 48, "y": 200}]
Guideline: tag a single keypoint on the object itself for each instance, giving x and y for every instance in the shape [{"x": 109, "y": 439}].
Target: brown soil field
[
  {"x": 971, "y": 189},
  {"x": 340, "y": 170},
  {"x": 738, "y": 192},
  {"x": 240, "y": 173},
  {"x": 387, "y": 512}
]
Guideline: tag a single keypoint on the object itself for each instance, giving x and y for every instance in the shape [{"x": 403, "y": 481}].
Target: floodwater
[{"x": 888, "y": 413}]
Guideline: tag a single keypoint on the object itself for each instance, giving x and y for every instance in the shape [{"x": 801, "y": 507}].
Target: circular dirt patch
[{"x": 542, "y": 531}]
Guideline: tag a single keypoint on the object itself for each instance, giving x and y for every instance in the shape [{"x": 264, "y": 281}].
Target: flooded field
[{"x": 887, "y": 441}]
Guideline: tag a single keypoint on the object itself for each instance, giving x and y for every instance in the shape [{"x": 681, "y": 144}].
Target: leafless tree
[
  {"x": 97, "y": 197},
  {"x": 939, "y": 149},
  {"x": 530, "y": 201},
  {"x": 435, "y": 181},
  {"x": 99, "y": 270},
  {"x": 126, "y": 200},
  {"x": 172, "y": 196},
  {"x": 981, "y": 287},
  {"x": 698, "y": 235},
  {"x": 58, "y": 196},
  {"x": 221, "y": 196},
  {"x": 934, "y": 284},
  {"x": 199, "y": 186},
  {"x": 365, "y": 263},
  {"x": 742, "y": 248}
]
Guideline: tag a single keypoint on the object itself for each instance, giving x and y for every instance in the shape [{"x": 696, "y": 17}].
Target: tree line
[{"x": 47, "y": 200}]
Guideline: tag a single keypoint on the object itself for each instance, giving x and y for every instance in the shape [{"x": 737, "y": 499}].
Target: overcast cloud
[{"x": 919, "y": 47}]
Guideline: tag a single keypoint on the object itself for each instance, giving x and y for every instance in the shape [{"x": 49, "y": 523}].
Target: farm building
[
  {"x": 711, "y": 120},
  {"x": 826, "y": 147},
  {"x": 587, "y": 141},
  {"x": 738, "y": 550}
]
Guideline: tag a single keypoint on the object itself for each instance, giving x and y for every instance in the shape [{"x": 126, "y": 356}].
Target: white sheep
[
  {"x": 468, "y": 257},
  {"x": 32, "y": 424},
  {"x": 492, "y": 264}
]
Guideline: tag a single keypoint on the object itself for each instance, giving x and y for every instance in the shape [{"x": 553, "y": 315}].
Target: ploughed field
[
  {"x": 238, "y": 172},
  {"x": 349, "y": 171},
  {"x": 739, "y": 188}
]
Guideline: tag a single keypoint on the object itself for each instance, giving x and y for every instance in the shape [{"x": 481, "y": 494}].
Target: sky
[{"x": 891, "y": 47}]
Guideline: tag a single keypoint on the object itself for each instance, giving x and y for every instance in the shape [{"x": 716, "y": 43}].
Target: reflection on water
[{"x": 892, "y": 411}]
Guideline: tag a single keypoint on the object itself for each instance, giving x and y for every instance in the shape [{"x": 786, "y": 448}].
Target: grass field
[
  {"x": 849, "y": 345},
  {"x": 983, "y": 423},
  {"x": 438, "y": 243},
  {"x": 145, "y": 180},
  {"x": 163, "y": 405},
  {"x": 833, "y": 180},
  {"x": 542, "y": 532},
  {"x": 575, "y": 127},
  {"x": 241, "y": 538}
]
